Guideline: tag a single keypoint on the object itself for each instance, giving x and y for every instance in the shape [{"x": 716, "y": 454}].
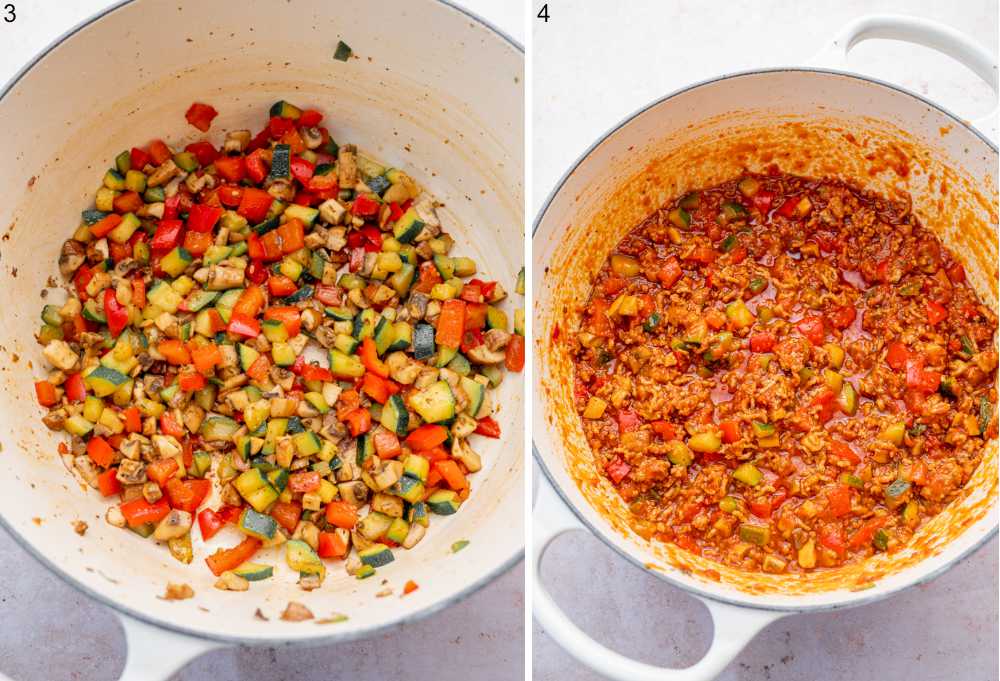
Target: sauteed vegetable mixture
[
  {"x": 273, "y": 333},
  {"x": 785, "y": 374}
]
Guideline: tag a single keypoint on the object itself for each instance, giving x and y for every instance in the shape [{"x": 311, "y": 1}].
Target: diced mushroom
[
  {"x": 60, "y": 355},
  {"x": 414, "y": 535},
  {"x": 347, "y": 165},
  {"x": 481, "y": 354},
  {"x": 236, "y": 141},
  {"x": 388, "y": 504},
  {"x": 131, "y": 472},
  {"x": 496, "y": 339},
  {"x": 354, "y": 492},
  {"x": 461, "y": 450},
  {"x": 163, "y": 174},
  {"x": 223, "y": 278},
  {"x": 296, "y": 612},
  {"x": 71, "y": 256},
  {"x": 230, "y": 581}
]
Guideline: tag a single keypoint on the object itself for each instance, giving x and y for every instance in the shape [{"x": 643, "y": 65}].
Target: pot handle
[
  {"x": 154, "y": 654},
  {"x": 932, "y": 34},
  {"x": 734, "y": 626}
]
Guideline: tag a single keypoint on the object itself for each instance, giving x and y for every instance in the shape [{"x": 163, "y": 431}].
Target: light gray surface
[
  {"x": 49, "y": 632},
  {"x": 595, "y": 63}
]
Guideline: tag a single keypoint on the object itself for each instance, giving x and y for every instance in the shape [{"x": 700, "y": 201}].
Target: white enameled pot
[
  {"x": 819, "y": 121},
  {"x": 433, "y": 90}
]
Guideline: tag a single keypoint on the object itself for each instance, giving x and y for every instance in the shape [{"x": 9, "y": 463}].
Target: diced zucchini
[
  {"x": 254, "y": 487},
  {"x": 124, "y": 230},
  {"x": 345, "y": 366},
  {"x": 435, "y": 403},
  {"x": 301, "y": 558},
  {"x": 394, "y": 415},
  {"x": 476, "y": 392},
  {"x": 409, "y": 489},
  {"x": 398, "y": 530},
  {"x": 376, "y": 555},
  {"x": 254, "y": 572},
  {"x": 408, "y": 226},
  {"x": 304, "y": 213},
  {"x": 443, "y": 502},
  {"x": 374, "y": 525},
  {"x": 423, "y": 341},
  {"x": 307, "y": 442},
  {"x": 103, "y": 380},
  {"x": 416, "y": 467},
  {"x": 176, "y": 261},
  {"x": 257, "y": 525},
  {"x": 283, "y": 109}
]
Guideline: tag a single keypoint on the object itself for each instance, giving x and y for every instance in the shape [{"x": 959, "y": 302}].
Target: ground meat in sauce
[{"x": 785, "y": 374}]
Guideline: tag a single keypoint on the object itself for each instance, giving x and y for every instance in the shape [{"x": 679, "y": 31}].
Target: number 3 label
[{"x": 10, "y": 15}]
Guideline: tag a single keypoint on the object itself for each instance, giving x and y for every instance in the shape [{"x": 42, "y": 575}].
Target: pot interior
[
  {"x": 809, "y": 123},
  {"x": 447, "y": 107}
]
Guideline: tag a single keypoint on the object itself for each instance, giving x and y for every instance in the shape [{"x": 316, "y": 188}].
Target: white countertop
[
  {"x": 595, "y": 63},
  {"x": 50, "y": 632}
]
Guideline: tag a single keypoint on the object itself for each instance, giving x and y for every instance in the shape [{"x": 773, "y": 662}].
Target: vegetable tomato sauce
[{"x": 785, "y": 374}]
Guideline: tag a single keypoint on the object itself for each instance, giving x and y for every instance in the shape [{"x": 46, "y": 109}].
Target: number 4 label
[{"x": 543, "y": 13}]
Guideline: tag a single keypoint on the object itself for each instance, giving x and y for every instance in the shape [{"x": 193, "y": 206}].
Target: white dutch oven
[
  {"x": 809, "y": 121},
  {"x": 434, "y": 90}
]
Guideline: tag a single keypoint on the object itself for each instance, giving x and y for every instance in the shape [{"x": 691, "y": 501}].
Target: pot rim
[
  {"x": 599, "y": 532},
  {"x": 322, "y": 639}
]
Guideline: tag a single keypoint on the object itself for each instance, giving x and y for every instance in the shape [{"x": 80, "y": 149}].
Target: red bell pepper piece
[
  {"x": 628, "y": 420},
  {"x": 161, "y": 470},
  {"x": 762, "y": 200},
  {"x": 202, "y": 217},
  {"x": 105, "y": 225},
  {"x": 200, "y": 115},
  {"x": 369, "y": 357},
  {"x": 159, "y": 152},
  {"x": 255, "y": 204},
  {"x": 955, "y": 272},
  {"x": 387, "y": 444},
  {"x": 115, "y": 312},
  {"x": 331, "y": 545},
  {"x": 280, "y": 286},
  {"x": 812, "y": 328},
  {"x": 46, "y": 393},
  {"x": 843, "y": 451},
  {"x": 287, "y": 514},
  {"x": 288, "y": 315},
  {"x": 475, "y": 315},
  {"x": 311, "y": 372},
  {"x": 174, "y": 351},
  {"x": 138, "y": 158},
  {"x": 665, "y": 429},
  {"x": 451, "y": 474},
  {"x": 341, "y": 514},
  {"x": 167, "y": 235},
  {"x": 228, "y": 559},
  {"x": 617, "y": 469},
  {"x": 291, "y": 236},
  {"x": 843, "y": 316},
  {"x": 329, "y": 295},
  {"x": 358, "y": 421},
  {"x": 310, "y": 118},
  {"x": 863, "y": 537},
  {"x": 107, "y": 482},
  {"x": 378, "y": 388},
  {"x": 127, "y": 202},
  {"x": 670, "y": 272},
  {"x": 190, "y": 381},
  {"x": 365, "y": 206},
  {"x": 203, "y": 151},
  {"x": 730, "y": 431},
  {"x": 897, "y": 355},
  {"x": 133, "y": 420},
  {"x": 170, "y": 426},
  {"x": 187, "y": 495},
  {"x": 257, "y": 273},
  {"x": 278, "y": 126},
  {"x": 936, "y": 312},
  {"x": 242, "y": 325},
  {"x": 139, "y": 511},
  {"x": 514, "y": 360},
  {"x": 100, "y": 451},
  {"x": 197, "y": 243},
  {"x": 762, "y": 342},
  {"x": 76, "y": 389},
  {"x": 426, "y": 437},
  {"x": 232, "y": 168},
  {"x": 838, "y": 499},
  {"x": 451, "y": 324},
  {"x": 488, "y": 426},
  {"x": 304, "y": 481},
  {"x": 302, "y": 170},
  {"x": 256, "y": 166}
]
